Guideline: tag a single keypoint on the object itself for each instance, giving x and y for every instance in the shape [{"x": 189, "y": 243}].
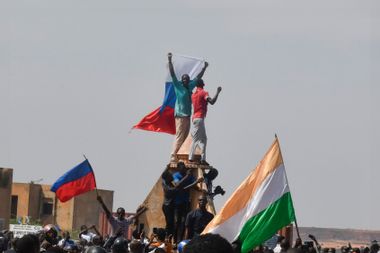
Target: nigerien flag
[
  {"x": 162, "y": 118},
  {"x": 76, "y": 181},
  {"x": 259, "y": 207}
]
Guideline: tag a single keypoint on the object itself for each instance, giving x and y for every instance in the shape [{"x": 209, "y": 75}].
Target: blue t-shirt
[{"x": 183, "y": 196}]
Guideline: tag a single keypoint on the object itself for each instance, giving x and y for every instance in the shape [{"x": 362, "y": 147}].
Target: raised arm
[
  {"x": 180, "y": 183},
  {"x": 108, "y": 213},
  {"x": 194, "y": 184},
  {"x": 171, "y": 68},
  {"x": 140, "y": 210},
  {"x": 96, "y": 230},
  {"x": 200, "y": 75},
  {"x": 213, "y": 100}
]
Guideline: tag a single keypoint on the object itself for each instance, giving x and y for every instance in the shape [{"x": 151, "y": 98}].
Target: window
[
  {"x": 47, "y": 207},
  {"x": 14, "y": 203}
]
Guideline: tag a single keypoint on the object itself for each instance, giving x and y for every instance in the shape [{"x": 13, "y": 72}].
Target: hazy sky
[{"x": 75, "y": 76}]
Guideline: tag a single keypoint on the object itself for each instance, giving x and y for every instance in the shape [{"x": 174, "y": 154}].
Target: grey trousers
[{"x": 198, "y": 133}]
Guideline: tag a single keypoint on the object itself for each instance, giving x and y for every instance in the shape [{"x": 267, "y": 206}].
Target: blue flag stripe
[
  {"x": 75, "y": 173},
  {"x": 170, "y": 97}
]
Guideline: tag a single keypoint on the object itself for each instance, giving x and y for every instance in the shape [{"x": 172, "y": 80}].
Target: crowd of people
[{"x": 50, "y": 241}]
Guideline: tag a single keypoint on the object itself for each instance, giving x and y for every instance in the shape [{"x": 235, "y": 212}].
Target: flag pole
[
  {"x": 96, "y": 187},
  {"x": 295, "y": 217}
]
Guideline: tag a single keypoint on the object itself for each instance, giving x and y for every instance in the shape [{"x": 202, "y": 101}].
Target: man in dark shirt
[
  {"x": 197, "y": 220},
  {"x": 187, "y": 181},
  {"x": 170, "y": 193}
]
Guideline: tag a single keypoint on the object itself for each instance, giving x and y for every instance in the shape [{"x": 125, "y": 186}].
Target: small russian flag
[{"x": 76, "y": 181}]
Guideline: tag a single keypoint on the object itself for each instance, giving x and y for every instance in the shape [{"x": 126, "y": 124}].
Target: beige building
[
  {"x": 6, "y": 177},
  {"x": 37, "y": 203}
]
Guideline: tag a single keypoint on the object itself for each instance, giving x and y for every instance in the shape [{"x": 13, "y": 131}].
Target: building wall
[
  {"x": 70, "y": 215},
  {"x": 34, "y": 201},
  {"x": 87, "y": 210},
  {"x": 64, "y": 214},
  {"x": 47, "y": 195},
  {"x": 22, "y": 191},
  {"x": 6, "y": 177}
]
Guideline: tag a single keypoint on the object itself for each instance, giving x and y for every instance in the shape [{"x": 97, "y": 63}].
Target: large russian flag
[
  {"x": 76, "y": 181},
  {"x": 259, "y": 207},
  {"x": 162, "y": 119}
]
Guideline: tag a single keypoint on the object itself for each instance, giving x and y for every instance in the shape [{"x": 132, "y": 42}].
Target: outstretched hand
[
  {"x": 219, "y": 89},
  {"x": 206, "y": 64},
  {"x": 170, "y": 55}
]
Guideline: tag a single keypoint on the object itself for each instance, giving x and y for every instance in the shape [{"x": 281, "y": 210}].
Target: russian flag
[
  {"x": 162, "y": 118},
  {"x": 76, "y": 181}
]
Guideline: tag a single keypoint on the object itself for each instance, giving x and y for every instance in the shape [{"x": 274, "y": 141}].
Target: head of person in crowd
[
  {"x": 200, "y": 83},
  {"x": 95, "y": 249},
  {"x": 51, "y": 234},
  {"x": 120, "y": 213},
  {"x": 159, "y": 250},
  {"x": 13, "y": 243},
  {"x": 236, "y": 246},
  {"x": 325, "y": 250},
  {"x": 83, "y": 243},
  {"x": 332, "y": 250},
  {"x": 298, "y": 243},
  {"x": 366, "y": 250},
  {"x": 160, "y": 234},
  {"x": 374, "y": 247},
  {"x": 136, "y": 247},
  {"x": 84, "y": 229},
  {"x": 258, "y": 249},
  {"x": 210, "y": 243},
  {"x": 185, "y": 78},
  {"x": 202, "y": 202},
  {"x": 355, "y": 250},
  {"x": 181, "y": 245},
  {"x": 54, "y": 249},
  {"x": 97, "y": 240},
  {"x": 268, "y": 250},
  {"x": 311, "y": 250},
  {"x": 120, "y": 245},
  {"x": 71, "y": 248},
  {"x": 279, "y": 239},
  {"x": 181, "y": 168},
  {"x": 29, "y": 243},
  {"x": 66, "y": 235},
  {"x": 295, "y": 250},
  {"x": 285, "y": 245},
  {"x": 167, "y": 176},
  {"x": 3, "y": 242}
]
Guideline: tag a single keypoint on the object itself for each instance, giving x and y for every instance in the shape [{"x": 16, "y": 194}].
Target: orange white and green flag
[{"x": 259, "y": 207}]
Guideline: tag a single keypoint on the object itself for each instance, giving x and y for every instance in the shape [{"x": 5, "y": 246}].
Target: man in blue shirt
[
  {"x": 182, "y": 111},
  {"x": 182, "y": 198}
]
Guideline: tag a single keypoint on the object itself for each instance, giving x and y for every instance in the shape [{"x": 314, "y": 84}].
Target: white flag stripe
[
  {"x": 272, "y": 189},
  {"x": 185, "y": 65}
]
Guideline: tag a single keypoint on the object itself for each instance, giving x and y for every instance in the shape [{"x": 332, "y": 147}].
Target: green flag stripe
[{"x": 265, "y": 224}]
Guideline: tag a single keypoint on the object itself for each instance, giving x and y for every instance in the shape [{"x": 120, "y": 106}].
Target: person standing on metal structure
[
  {"x": 182, "y": 111},
  {"x": 200, "y": 101}
]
